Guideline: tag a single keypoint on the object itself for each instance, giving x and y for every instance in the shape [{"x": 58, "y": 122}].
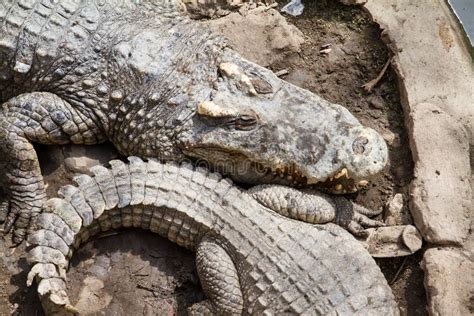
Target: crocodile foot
[
  {"x": 354, "y": 217},
  {"x": 18, "y": 213},
  {"x": 316, "y": 208},
  {"x": 38, "y": 117}
]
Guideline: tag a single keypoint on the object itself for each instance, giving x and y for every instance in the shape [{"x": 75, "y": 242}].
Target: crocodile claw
[
  {"x": 355, "y": 218},
  {"x": 360, "y": 222},
  {"x": 17, "y": 217}
]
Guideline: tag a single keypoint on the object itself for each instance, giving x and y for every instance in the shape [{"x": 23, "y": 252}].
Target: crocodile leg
[
  {"x": 315, "y": 207},
  {"x": 44, "y": 118},
  {"x": 220, "y": 281}
]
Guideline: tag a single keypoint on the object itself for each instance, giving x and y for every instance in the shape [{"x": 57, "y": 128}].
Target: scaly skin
[
  {"x": 250, "y": 260},
  {"x": 315, "y": 207},
  {"x": 157, "y": 84}
]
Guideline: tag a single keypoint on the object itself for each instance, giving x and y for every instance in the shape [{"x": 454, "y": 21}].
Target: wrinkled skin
[{"x": 159, "y": 85}]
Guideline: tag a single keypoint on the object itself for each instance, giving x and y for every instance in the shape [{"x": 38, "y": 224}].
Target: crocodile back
[
  {"x": 46, "y": 44},
  {"x": 317, "y": 270},
  {"x": 39, "y": 37}
]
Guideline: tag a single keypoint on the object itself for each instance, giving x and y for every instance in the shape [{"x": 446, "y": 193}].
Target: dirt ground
[{"x": 139, "y": 273}]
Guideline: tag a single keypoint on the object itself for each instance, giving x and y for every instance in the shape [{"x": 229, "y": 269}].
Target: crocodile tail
[
  {"x": 79, "y": 213},
  {"x": 124, "y": 195}
]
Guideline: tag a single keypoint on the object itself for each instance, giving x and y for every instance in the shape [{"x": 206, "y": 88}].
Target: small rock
[
  {"x": 93, "y": 298},
  {"x": 449, "y": 277},
  {"x": 87, "y": 262},
  {"x": 396, "y": 213},
  {"x": 392, "y": 139},
  {"x": 412, "y": 238},
  {"x": 79, "y": 159},
  {"x": 392, "y": 241},
  {"x": 440, "y": 204},
  {"x": 376, "y": 102}
]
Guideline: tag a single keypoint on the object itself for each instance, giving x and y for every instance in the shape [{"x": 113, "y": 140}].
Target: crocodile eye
[
  {"x": 240, "y": 122},
  {"x": 245, "y": 122}
]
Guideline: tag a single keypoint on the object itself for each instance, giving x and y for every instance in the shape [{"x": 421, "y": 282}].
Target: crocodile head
[{"x": 257, "y": 128}]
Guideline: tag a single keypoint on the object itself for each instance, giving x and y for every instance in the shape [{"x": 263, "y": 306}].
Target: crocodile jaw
[{"x": 257, "y": 128}]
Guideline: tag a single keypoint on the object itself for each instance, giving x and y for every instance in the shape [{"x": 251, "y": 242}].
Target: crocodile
[
  {"x": 157, "y": 84},
  {"x": 250, "y": 259}
]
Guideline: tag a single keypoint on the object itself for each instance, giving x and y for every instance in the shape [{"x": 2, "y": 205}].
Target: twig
[
  {"x": 161, "y": 257},
  {"x": 108, "y": 234},
  {"x": 271, "y": 6},
  {"x": 262, "y": 7},
  {"x": 398, "y": 271},
  {"x": 325, "y": 51},
  {"x": 143, "y": 287},
  {"x": 372, "y": 83},
  {"x": 281, "y": 73},
  {"x": 135, "y": 273},
  {"x": 348, "y": 52}
]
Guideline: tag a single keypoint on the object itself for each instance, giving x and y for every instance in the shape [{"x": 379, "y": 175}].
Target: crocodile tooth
[
  {"x": 342, "y": 173},
  {"x": 363, "y": 183}
]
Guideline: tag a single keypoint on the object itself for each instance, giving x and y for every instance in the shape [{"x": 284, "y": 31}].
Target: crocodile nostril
[{"x": 358, "y": 146}]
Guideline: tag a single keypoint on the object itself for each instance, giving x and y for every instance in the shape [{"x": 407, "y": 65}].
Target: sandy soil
[{"x": 137, "y": 273}]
